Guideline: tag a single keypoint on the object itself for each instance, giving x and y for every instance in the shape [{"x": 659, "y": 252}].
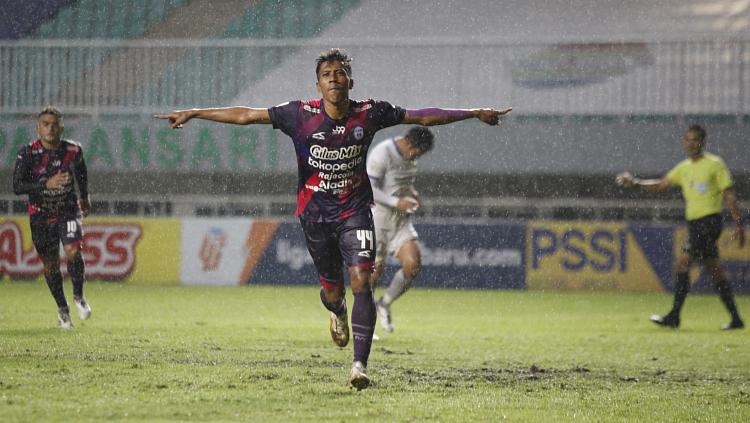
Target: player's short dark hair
[
  {"x": 420, "y": 137},
  {"x": 333, "y": 55},
  {"x": 50, "y": 110},
  {"x": 699, "y": 130}
]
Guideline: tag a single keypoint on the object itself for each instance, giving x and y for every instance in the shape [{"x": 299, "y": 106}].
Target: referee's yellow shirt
[{"x": 703, "y": 183}]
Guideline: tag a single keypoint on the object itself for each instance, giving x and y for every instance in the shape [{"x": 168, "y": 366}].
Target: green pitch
[{"x": 264, "y": 354}]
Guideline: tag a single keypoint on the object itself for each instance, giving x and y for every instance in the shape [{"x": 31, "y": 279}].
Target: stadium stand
[
  {"x": 281, "y": 19},
  {"x": 106, "y": 19},
  {"x": 21, "y": 17},
  {"x": 262, "y": 20}
]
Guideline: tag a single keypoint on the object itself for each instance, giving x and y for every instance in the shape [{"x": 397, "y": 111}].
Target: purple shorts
[{"x": 349, "y": 242}]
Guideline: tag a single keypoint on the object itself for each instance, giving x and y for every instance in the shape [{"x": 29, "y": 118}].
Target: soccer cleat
[
  {"x": 734, "y": 324},
  {"x": 666, "y": 321},
  {"x": 84, "y": 309},
  {"x": 359, "y": 379},
  {"x": 384, "y": 315},
  {"x": 339, "y": 326},
  {"x": 63, "y": 319}
]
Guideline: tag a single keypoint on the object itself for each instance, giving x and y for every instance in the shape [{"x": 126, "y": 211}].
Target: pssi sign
[
  {"x": 109, "y": 251},
  {"x": 602, "y": 250},
  {"x": 597, "y": 255}
]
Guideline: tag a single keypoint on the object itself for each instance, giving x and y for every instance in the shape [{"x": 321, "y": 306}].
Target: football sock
[
  {"x": 55, "y": 284},
  {"x": 363, "y": 325},
  {"x": 398, "y": 286},
  {"x": 335, "y": 308},
  {"x": 76, "y": 272},
  {"x": 725, "y": 293},
  {"x": 681, "y": 289}
]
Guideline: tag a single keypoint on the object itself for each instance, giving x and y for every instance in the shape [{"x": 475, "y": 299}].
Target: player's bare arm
[
  {"x": 235, "y": 115},
  {"x": 436, "y": 116},
  {"x": 627, "y": 180},
  {"x": 730, "y": 199}
]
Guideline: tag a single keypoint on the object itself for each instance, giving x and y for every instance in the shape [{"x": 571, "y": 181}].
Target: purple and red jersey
[
  {"x": 35, "y": 164},
  {"x": 332, "y": 154}
]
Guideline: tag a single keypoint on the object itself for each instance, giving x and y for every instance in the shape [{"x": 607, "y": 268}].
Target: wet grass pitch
[{"x": 263, "y": 353}]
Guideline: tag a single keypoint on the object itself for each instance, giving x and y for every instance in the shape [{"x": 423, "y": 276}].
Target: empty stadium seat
[{"x": 106, "y": 19}]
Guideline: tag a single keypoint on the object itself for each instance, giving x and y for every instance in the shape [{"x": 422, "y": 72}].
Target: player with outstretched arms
[
  {"x": 46, "y": 170},
  {"x": 392, "y": 168},
  {"x": 331, "y": 136}
]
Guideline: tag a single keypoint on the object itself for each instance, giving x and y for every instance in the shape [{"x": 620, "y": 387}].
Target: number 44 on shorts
[{"x": 366, "y": 242}]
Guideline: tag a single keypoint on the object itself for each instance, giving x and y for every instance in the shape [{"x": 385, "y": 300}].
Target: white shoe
[
  {"x": 63, "y": 319},
  {"x": 339, "y": 327},
  {"x": 359, "y": 378},
  {"x": 84, "y": 309},
  {"x": 384, "y": 315}
]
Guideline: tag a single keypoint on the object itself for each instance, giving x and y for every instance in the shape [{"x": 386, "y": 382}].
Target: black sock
[
  {"x": 681, "y": 289},
  {"x": 55, "y": 284},
  {"x": 76, "y": 272},
  {"x": 725, "y": 293},
  {"x": 335, "y": 308}
]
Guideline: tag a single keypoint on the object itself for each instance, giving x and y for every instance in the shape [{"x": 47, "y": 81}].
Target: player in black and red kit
[
  {"x": 46, "y": 169},
  {"x": 331, "y": 137}
]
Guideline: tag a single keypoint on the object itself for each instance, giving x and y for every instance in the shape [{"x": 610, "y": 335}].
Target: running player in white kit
[{"x": 392, "y": 168}]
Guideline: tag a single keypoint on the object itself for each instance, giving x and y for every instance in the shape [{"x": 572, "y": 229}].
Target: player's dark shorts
[
  {"x": 47, "y": 232},
  {"x": 349, "y": 242},
  {"x": 702, "y": 236}
]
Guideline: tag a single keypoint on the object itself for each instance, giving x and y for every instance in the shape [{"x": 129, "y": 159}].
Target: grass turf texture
[{"x": 264, "y": 354}]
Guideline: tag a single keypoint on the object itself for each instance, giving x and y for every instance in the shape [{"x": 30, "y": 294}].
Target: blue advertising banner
[
  {"x": 534, "y": 255},
  {"x": 453, "y": 256}
]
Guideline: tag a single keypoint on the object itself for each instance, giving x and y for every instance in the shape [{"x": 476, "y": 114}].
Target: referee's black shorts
[{"x": 702, "y": 236}]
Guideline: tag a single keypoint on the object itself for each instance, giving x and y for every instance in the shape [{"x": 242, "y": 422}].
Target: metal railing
[
  {"x": 563, "y": 77},
  {"x": 434, "y": 208}
]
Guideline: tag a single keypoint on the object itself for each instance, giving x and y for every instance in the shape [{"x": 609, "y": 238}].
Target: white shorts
[{"x": 392, "y": 230}]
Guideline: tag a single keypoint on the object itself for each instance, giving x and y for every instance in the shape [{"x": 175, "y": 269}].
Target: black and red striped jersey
[
  {"x": 332, "y": 154},
  {"x": 35, "y": 164}
]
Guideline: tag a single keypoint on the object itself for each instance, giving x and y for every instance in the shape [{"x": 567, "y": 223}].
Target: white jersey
[
  {"x": 392, "y": 177},
  {"x": 390, "y": 173}
]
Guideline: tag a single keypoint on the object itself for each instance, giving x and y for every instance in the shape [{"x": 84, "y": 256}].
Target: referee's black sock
[
  {"x": 55, "y": 284},
  {"x": 725, "y": 293},
  {"x": 76, "y": 272},
  {"x": 681, "y": 289}
]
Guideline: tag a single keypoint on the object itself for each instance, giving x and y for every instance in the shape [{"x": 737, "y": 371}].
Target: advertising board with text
[{"x": 114, "y": 249}]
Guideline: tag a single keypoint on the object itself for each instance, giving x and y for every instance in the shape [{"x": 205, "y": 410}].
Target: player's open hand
[
  {"x": 625, "y": 179},
  {"x": 407, "y": 204},
  {"x": 492, "y": 116},
  {"x": 176, "y": 119},
  {"x": 58, "y": 181}
]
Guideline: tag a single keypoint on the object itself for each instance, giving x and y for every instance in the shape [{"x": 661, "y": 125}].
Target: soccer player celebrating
[
  {"x": 392, "y": 168},
  {"x": 46, "y": 170},
  {"x": 331, "y": 137},
  {"x": 705, "y": 182}
]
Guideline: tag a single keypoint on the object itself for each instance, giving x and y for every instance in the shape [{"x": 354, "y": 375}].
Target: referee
[{"x": 705, "y": 182}]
